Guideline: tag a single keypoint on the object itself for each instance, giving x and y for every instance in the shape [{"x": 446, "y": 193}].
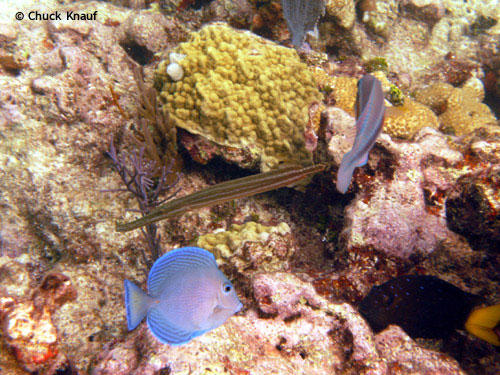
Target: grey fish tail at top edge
[{"x": 302, "y": 16}]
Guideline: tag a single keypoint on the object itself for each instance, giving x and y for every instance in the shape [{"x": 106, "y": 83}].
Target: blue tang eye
[{"x": 227, "y": 287}]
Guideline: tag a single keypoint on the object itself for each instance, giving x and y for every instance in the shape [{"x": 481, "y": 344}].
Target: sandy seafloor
[{"x": 427, "y": 202}]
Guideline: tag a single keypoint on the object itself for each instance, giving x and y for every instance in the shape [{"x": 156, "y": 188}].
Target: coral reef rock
[
  {"x": 57, "y": 216},
  {"x": 28, "y": 329},
  {"x": 299, "y": 332},
  {"x": 473, "y": 208},
  {"x": 390, "y": 213},
  {"x": 404, "y": 356},
  {"x": 241, "y": 91},
  {"x": 343, "y": 11}
]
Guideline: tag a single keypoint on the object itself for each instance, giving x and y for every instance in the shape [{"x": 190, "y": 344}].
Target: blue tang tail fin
[{"x": 137, "y": 304}]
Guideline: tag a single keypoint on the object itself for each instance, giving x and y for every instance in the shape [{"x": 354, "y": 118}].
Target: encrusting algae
[{"x": 241, "y": 91}]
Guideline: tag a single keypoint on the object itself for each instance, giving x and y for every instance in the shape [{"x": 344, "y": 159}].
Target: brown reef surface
[{"x": 300, "y": 260}]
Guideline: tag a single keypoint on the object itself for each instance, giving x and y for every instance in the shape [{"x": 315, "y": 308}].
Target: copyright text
[{"x": 35, "y": 15}]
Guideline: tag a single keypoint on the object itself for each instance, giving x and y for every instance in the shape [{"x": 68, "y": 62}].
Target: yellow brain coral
[
  {"x": 406, "y": 120},
  {"x": 252, "y": 243},
  {"x": 460, "y": 109},
  {"x": 344, "y": 91},
  {"x": 241, "y": 91},
  {"x": 400, "y": 122}
]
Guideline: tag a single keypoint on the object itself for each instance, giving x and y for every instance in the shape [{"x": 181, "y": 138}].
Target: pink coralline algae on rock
[
  {"x": 403, "y": 356},
  {"x": 28, "y": 329},
  {"x": 57, "y": 116}
]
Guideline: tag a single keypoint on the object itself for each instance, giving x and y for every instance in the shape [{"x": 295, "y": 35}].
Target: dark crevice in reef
[{"x": 138, "y": 53}]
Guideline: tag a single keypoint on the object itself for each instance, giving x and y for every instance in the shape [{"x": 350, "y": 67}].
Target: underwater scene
[{"x": 250, "y": 187}]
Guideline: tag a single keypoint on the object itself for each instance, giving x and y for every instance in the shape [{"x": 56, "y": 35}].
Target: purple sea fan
[{"x": 302, "y": 16}]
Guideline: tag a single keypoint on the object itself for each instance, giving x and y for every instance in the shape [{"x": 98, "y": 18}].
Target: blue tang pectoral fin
[
  {"x": 166, "y": 332},
  {"x": 137, "y": 304}
]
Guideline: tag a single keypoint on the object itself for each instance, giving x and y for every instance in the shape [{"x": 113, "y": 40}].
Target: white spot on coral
[{"x": 175, "y": 71}]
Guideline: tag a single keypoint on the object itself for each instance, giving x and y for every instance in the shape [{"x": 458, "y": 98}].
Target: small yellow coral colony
[
  {"x": 241, "y": 91},
  {"x": 223, "y": 244},
  {"x": 250, "y": 244},
  {"x": 406, "y": 120},
  {"x": 461, "y": 109}
]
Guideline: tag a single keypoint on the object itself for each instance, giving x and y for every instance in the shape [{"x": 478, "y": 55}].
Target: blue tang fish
[
  {"x": 187, "y": 296},
  {"x": 370, "y": 109}
]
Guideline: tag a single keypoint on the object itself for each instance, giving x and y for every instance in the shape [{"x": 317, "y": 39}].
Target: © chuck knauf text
[{"x": 59, "y": 16}]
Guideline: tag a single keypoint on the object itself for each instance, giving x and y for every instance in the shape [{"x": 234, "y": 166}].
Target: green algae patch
[
  {"x": 395, "y": 95},
  {"x": 239, "y": 90},
  {"x": 376, "y": 64}
]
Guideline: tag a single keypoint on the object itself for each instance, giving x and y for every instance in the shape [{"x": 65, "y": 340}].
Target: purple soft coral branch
[{"x": 140, "y": 182}]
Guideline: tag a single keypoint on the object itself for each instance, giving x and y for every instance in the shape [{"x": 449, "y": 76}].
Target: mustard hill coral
[
  {"x": 268, "y": 247},
  {"x": 461, "y": 109},
  {"x": 239, "y": 90},
  {"x": 342, "y": 90}
]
